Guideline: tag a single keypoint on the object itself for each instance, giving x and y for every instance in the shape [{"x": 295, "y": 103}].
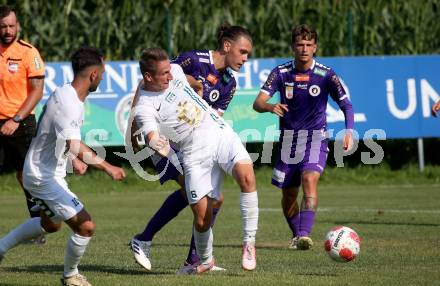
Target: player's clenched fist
[{"x": 116, "y": 173}]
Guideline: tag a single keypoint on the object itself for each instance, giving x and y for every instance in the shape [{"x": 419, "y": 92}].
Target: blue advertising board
[{"x": 392, "y": 93}]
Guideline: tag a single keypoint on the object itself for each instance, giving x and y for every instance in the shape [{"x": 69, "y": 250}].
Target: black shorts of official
[{"x": 13, "y": 149}]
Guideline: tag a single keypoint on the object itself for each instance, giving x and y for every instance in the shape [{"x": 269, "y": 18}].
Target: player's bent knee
[
  {"x": 86, "y": 229},
  {"x": 247, "y": 182},
  {"x": 202, "y": 225}
]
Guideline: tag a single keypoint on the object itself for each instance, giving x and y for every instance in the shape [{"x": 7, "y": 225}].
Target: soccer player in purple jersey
[
  {"x": 210, "y": 75},
  {"x": 304, "y": 86}
]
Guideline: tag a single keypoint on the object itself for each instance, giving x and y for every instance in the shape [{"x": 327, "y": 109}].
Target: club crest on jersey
[
  {"x": 214, "y": 95},
  {"x": 289, "y": 90},
  {"x": 302, "y": 77},
  {"x": 314, "y": 90},
  {"x": 13, "y": 67},
  {"x": 212, "y": 79}
]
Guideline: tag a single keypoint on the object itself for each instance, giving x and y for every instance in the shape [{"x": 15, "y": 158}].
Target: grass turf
[{"x": 398, "y": 225}]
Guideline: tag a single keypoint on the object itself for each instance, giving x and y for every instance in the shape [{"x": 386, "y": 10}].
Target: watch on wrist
[{"x": 17, "y": 118}]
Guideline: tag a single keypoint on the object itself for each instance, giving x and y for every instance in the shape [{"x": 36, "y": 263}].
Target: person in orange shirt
[{"x": 21, "y": 88}]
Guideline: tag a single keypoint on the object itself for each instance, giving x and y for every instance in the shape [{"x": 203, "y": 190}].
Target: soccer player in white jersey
[
  {"x": 58, "y": 137},
  {"x": 169, "y": 111}
]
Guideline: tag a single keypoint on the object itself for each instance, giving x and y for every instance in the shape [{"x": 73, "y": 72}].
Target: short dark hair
[
  {"x": 5, "y": 10},
  {"x": 85, "y": 57},
  {"x": 231, "y": 33},
  {"x": 149, "y": 57},
  {"x": 304, "y": 32}
]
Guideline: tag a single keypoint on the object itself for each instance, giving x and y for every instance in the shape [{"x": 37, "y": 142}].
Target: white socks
[
  {"x": 249, "y": 214},
  {"x": 25, "y": 231},
  {"x": 203, "y": 241},
  {"x": 76, "y": 246}
]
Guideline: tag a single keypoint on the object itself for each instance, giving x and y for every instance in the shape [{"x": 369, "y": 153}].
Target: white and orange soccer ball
[{"x": 342, "y": 244}]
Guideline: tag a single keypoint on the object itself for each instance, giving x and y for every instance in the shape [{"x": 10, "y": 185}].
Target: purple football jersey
[
  {"x": 306, "y": 95},
  {"x": 218, "y": 88}
]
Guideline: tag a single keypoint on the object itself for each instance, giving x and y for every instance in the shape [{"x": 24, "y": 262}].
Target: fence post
[{"x": 421, "y": 154}]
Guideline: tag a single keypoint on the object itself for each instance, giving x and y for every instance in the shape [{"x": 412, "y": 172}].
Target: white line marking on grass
[{"x": 361, "y": 210}]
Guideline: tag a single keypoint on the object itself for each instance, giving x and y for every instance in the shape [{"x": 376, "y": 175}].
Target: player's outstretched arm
[
  {"x": 261, "y": 105},
  {"x": 88, "y": 156}
]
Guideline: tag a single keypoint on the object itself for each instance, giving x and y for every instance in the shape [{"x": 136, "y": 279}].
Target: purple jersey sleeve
[
  {"x": 338, "y": 94},
  {"x": 272, "y": 84},
  {"x": 188, "y": 62}
]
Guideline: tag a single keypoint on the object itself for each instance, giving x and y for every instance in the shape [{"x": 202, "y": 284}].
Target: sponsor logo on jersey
[
  {"x": 170, "y": 97},
  {"x": 188, "y": 112},
  {"x": 214, "y": 95},
  {"x": 338, "y": 84},
  {"x": 320, "y": 72},
  {"x": 179, "y": 84},
  {"x": 185, "y": 63},
  {"x": 302, "y": 86},
  {"x": 37, "y": 63},
  {"x": 278, "y": 175},
  {"x": 226, "y": 78},
  {"x": 314, "y": 90},
  {"x": 13, "y": 67},
  {"x": 302, "y": 77},
  {"x": 212, "y": 79},
  {"x": 269, "y": 81}
]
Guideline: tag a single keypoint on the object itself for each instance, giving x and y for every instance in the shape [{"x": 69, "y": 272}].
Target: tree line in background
[{"x": 123, "y": 28}]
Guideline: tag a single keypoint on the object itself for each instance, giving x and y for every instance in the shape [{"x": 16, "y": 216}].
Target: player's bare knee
[
  {"x": 86, "y": 229},
  {"x": 247, "y": 182},
  {"x": 202, "y": 225}
]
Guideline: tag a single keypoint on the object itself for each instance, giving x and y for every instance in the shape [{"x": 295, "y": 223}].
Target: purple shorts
[{"x": 298, "y": 155}]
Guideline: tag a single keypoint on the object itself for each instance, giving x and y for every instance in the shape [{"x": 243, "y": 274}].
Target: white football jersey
[
  {"x": 176, "y": 112},
  {"x": 60, "y": 120}
]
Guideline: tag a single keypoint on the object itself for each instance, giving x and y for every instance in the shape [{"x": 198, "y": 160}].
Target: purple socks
[
  {"x": 301, "y": 223},
  {"x": 169, "y": 210}
]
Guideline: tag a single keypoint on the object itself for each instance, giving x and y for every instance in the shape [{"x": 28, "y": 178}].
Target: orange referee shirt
[{"x": 19, "y": 62}]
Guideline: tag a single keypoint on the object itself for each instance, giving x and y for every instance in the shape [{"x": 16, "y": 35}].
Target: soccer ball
[{"x": 342, "y": 243}]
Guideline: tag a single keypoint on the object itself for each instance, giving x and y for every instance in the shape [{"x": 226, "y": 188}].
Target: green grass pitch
[{"x": 399, "y": 226}]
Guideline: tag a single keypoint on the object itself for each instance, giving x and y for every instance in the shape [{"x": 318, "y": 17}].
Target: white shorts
[
  {"x": 204, "y": 170},
  {"x": 57, "y": 201}
]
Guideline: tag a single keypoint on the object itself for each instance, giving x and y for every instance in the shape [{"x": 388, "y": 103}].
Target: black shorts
[{"x": 13, "y": 149}]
